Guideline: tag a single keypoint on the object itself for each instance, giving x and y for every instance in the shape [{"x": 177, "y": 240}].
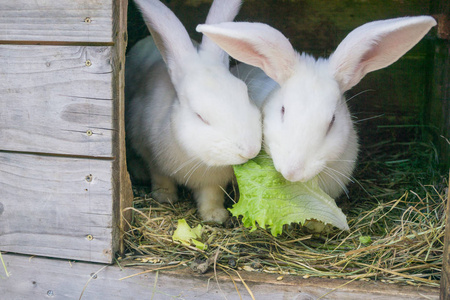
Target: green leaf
[
  {"x": 199, "y": 244},
  {"x": 271, "y": 201},
  {"x": 187, "y": 235},
  {"x": 365, "y": 239}
]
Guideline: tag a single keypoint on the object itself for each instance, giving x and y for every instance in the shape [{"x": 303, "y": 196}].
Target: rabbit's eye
[
  {"x": 331, "y": 123},
  {"x": 201, "y": 118},
  {"x": 282, "y": 112}
]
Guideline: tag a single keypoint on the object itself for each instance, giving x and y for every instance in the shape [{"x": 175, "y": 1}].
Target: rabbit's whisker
[
  {"x": 337, "y": 160},
  {"x": 353, "y": 180},
  {"x": 206, "y": 170},
  {"x": 192, "y": 171},
  {"x": 248, "y": 75},
  {"x": 183, "y": 165},
  {"x": 334, "y": 176},
  {"x": 369, "y": 118},
  {"x": 340, "y": 173},
  {"x": 356, "y": 95}
]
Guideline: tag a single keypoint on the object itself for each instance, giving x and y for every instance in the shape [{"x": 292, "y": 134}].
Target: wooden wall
[{"x": 63, "y": 177}]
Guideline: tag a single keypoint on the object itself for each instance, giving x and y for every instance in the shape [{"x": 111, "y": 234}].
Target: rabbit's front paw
[
  {"x": 164, "y": 189},
  {"x": 210, "y": 204},
  {"x": 164, "y": 196},
  {"x": 214, "y": 214}
]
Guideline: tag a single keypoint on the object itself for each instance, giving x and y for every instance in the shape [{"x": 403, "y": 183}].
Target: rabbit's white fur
[
  {"x": 308, "y": 129},
  {"x": 187, "y": 117}
]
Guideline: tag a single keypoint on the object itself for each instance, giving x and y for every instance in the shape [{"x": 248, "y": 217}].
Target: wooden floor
[{"x": 44, "y": 278}]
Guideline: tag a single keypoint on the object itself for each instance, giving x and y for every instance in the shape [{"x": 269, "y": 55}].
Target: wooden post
[
  {"x": 121, "y": 179},
  {"x": 441, "y": 92},
  {"x": 439, "y": 100},
  {"x": 445, "y": 277}
]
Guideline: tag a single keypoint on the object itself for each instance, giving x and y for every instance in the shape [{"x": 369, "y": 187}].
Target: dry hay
[{"x": 396, "y": 214}]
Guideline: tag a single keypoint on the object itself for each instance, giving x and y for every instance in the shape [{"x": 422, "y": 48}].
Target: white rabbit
[
  {"x": 187, "y": 117},
  {"x": 307, "y": 127}
]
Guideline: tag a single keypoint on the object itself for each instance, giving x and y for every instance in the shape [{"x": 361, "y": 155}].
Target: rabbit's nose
[
  {"x": 249, "y": 152},
  {"x": 289, "y": 175},
  {"x": 294, "y": 174}
]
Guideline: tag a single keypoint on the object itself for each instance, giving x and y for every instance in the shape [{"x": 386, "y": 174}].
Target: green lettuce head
[{"x": 271, "y": 201}]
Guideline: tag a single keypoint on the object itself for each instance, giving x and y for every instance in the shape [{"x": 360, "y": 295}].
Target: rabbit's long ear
[
  {"x": 376, "y": 45},
  {"x": 169, "y": 34},
  {"x": 256, "y": 44},
  {"x": 220, "y": 11}
]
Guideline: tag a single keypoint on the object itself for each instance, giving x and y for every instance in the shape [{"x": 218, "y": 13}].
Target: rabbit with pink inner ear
[
  {"x": 307, "y": 127},
  {"x": 188, "y": 119}
]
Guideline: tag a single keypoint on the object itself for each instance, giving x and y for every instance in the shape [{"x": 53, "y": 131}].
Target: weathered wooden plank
[
  {"x": 56, "y": 99},
  {"x": 58, "y": 21},
  {"x": 438, "y": 104},
  {"x": 56, "y": 206},
  {"x": 123, "y": 194},
  {"x": 40, "y": 278},
  {"x": 445, "y": 275},
  {"x": 440, "y": 112}
]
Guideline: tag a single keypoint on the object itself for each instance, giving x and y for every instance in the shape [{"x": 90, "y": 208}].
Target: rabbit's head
[
  {"x": 213, "y": 119},
  {"x": 306, "y": 122},
  {"x": 307, "y": 126}
]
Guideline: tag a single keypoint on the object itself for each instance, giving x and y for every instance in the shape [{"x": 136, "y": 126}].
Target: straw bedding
[{"x": 395, "y": 210}]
